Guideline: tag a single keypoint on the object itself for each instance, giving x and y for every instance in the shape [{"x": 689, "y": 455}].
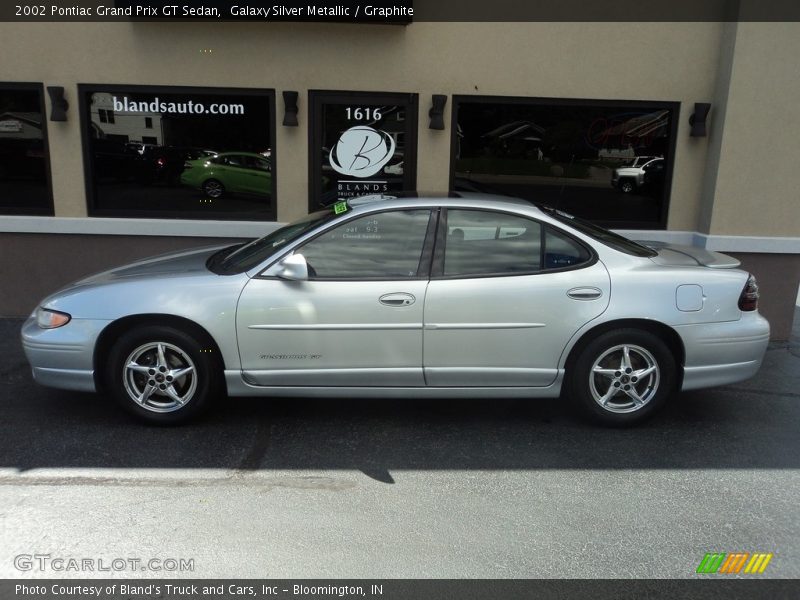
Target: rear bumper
[{"x": 723, "y": 353}]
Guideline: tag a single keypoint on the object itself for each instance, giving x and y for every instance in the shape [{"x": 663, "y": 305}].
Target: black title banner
[
  {"x": 370, "y": 11},
  {"x": 401, "y": 12},
  {"x": 395, "y": 589},
  {"x": 398, "y": 12}
]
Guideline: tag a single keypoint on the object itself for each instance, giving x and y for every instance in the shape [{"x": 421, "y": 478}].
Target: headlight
[{"x": 50, "y": 319}]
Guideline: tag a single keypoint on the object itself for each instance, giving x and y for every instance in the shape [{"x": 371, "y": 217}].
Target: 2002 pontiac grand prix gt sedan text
[{"x": 429, "y": 297}]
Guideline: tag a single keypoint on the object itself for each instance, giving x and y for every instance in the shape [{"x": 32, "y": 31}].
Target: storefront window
[
  {"x": 194, "y": 153},
  {"x": 24, "y": 171},
  {"x": 363, "y": 143},
  {"x": 609, "y": 162}
]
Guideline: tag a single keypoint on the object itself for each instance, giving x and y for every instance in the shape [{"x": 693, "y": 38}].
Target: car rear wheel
[
  {"x": 162, "y": 374},
  {"x": 213, "y": 189},
  {"x": 623, "y": 376}
]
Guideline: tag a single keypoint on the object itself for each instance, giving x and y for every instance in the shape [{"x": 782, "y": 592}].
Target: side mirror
[{"x": 293, "y": 268}]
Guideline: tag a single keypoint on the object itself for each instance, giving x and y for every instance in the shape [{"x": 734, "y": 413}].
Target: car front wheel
[
  {"x": 627, "y": 186},
  {"x": 623, "y": 376},
  {"x": 161, "y": 374},
  {"x": 213, "y": 189}
]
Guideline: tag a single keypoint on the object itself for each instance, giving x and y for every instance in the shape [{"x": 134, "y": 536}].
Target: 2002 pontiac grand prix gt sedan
[{"x": 452, "y": 297}]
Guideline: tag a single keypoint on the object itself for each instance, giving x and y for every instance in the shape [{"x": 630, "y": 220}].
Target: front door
[{"x": 357, "y": 321}]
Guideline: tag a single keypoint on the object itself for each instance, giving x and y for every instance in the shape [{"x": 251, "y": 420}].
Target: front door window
[{"x": 384, "y": 245}]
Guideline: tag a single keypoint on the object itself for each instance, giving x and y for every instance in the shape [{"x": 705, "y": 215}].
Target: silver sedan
[{"x": 451, "y": 297}]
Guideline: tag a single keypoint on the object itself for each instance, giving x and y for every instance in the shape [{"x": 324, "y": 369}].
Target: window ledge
[
  {"x": 720, "y": 243},
  {"x": 144, "y": 227}
]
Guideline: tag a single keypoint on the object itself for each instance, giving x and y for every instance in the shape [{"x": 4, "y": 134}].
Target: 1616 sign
[{"x": 363, "y": 144}]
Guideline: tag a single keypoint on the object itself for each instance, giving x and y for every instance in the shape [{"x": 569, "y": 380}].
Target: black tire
[
  {"x": 602, "y": 394},
  {"x": 627, "y": 186},
  {"x": 213, "y": 188},
  {"x": 163, "y": 387}
]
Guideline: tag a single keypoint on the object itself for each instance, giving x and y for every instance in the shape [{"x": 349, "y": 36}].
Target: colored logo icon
[
  {"x": 733, "y": 563},
  {"x": 361, "y": 151}
]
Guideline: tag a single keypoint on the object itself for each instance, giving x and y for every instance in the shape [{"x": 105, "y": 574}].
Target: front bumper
[
  {"x": 723, "y": 353},
  {"x": 63, "y": 357}
]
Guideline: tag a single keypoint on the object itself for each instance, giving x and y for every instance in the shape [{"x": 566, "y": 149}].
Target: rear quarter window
[{"x": 561, "y": 251}]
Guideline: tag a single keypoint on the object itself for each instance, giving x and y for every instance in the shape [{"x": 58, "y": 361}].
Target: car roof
[
  {"x": 234, "y": 152},
  {"x": 378, "y": 202}
]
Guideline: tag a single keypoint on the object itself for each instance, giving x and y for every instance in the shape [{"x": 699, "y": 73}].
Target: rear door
[
  {"x": 257, "y": 177},
  {"x": 507, "y": 293},
  {"x": 234, "y": 174}
]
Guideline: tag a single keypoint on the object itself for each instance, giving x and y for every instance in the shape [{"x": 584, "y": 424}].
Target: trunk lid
[{"x": 689, "y": 256}]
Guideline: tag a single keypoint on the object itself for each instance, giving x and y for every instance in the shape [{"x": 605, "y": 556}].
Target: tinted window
[
  {"x": 383, "y": 245},
  {"x": 562, "y": 251},
  {"x": 233, "y": 160},
  {"x": 242, "y": 257},
  {"x": 489, "y": 243},
  {"x": 23, "y": 152},
  {"x": 582, "y": 156},
  {"x": 260, "y": 164},
  {"x": 144, "y": 147}
]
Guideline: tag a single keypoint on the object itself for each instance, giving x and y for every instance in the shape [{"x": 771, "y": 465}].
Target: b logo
[{"x": 361, "y": 151}]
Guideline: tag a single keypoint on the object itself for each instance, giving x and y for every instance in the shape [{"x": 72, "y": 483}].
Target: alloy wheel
[
  {"x": 160, "y": 377},
  {"x": 624, "y": 378},
  {"x": 213, "y": 189}
]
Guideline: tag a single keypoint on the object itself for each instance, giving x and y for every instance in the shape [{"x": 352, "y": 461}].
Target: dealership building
[{"x": 124, "y": 139}]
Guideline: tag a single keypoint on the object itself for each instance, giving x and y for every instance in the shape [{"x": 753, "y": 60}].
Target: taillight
[
  {"x": 160, "y": 162},
  {"x": 748, "y": 299}
]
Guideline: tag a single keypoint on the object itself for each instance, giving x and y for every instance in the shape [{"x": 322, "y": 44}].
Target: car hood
[
  {"x": 689, "y": 256},
  {"x": 628, "y": 170},
  {"x": 184, "y": 262}
]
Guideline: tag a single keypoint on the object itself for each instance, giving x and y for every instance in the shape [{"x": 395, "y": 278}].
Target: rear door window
[{"x": 482, "y": 243}]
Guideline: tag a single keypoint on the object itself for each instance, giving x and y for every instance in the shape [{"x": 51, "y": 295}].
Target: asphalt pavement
[{"x": 401, "y": 488}]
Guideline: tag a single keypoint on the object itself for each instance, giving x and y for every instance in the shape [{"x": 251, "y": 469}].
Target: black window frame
[
  {"x": 674, "y": 106},
  {"x": 88, "y": 167},
  {"x": 316, "y": 100},
  {"x": 437, "y": 266},
  {"x": 35, "y": 211}
]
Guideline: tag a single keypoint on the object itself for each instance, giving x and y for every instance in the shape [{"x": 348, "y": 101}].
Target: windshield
[
  {"x": 240, "y": 258},
  {"x": 617, "y": 242}
]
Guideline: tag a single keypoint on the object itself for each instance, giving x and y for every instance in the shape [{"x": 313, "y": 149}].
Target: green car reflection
[{"x": 229, "y": 173}]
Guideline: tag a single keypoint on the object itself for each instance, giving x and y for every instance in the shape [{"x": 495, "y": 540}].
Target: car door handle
[
  {"x": 584, "y": 293},
  {"x": 397, "y": 299}
]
